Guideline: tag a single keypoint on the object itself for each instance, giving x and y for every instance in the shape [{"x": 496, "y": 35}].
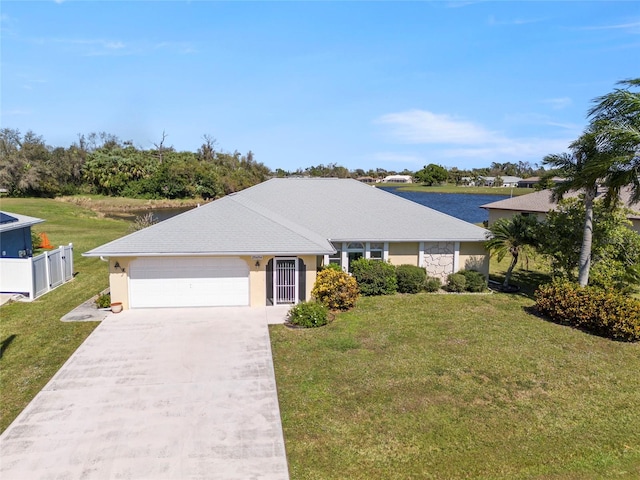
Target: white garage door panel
[{"x": 188, "y": 282}]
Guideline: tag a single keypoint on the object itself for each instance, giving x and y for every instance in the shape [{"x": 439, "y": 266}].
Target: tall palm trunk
[
  {"x": 584, "y": 262},
  {"x": 514, "y": 262}
]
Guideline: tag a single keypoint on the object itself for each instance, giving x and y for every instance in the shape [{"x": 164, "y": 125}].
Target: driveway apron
[{"x": 157, "y": 394}]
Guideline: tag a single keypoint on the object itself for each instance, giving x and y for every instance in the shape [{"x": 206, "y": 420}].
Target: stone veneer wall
[{"x": 438, "y": 259}]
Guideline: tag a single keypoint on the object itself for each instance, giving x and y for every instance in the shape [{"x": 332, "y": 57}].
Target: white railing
[{"x": 35, "y": 276}]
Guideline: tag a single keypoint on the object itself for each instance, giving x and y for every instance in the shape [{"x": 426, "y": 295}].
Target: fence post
[
  {"x": 70, "y": 261},
  {"x": 63, "y": 257},
  {"x": 32, "y": 291},
  {"x": 47, "y": 271}
]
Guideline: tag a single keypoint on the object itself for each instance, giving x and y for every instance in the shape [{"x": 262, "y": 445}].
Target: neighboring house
[
  {"x": 398, "y": 179},
  {"x": 539, "y": 203},
  {"x": 507, "y": 181},
  {"x": 264, "y": 245},
  {"x": 367, "y": 180},
  {"x": 531, "y": 182},
  {"x": 15, "y": 235},
  {"x": 22, "y": 273}
]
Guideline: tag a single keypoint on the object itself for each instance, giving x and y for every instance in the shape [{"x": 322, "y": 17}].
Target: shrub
[
  {"x": 309, "y": 314},
  {"x": 475, "y": 281},
  {"x": 36, "y": 240},
  {"x": 374, "y": 277},
  {"x": 143, "y": 221},
  {"x": 410, "y": 278},
  {"x": 432, "y": 284},
  {"x": 336, "y": 289},
  {"x": 602, "y": 311},
  {"x": 103, "y": 300},
  {"x": 456, "y": 282},
  {"x": 331, "y": 266}
]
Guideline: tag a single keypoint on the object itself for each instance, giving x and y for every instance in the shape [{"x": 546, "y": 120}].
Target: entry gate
[{"x": 285, "y": 275}]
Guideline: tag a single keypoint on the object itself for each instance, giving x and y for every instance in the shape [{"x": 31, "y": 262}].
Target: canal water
[{"x": 465, "y": 206}]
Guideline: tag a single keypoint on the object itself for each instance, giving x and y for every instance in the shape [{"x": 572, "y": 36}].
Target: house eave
[{"x": 204, "y": 254}]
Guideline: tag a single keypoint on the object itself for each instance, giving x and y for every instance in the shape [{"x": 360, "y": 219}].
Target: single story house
[
  {"x": 263, "y": 245},
  {"x": 398, "y": 179},
  {"x": 531, "y": 182},
  {"x": 507, "y": 181},
  {"x": 20, "y": 272},
  {"x": 15, "y": 235},
  {"x": 541, "y": 202},
  {"x": 367, "y": 180}
]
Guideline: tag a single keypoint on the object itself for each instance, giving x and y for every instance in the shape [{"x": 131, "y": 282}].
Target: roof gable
[
  {"x": 293, "y": 216},
  {"x": 224, "y": 226}
]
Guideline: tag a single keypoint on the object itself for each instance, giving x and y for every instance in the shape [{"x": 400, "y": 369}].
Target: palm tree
[
  {"x": 511, "y": 235},
  {"x": 578, "y": 170},
  {"x": 615, "y": 118},
  {"x": 608, "y": 152}
]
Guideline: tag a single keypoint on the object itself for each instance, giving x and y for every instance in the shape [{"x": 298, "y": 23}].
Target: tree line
[{"x": 101, "y": 163}]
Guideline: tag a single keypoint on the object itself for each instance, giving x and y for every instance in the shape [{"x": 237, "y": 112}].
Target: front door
[{"x": 285, "y": 285}]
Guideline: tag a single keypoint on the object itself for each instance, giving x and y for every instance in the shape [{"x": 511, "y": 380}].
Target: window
[
  {"x": 355, "y": 251},
  {"x": 336, "y": 257},
  {"x": 376, "y": 251}
]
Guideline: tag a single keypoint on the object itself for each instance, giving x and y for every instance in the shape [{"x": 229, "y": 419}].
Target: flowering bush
[
  {"x": 308, "y": 314},
  {"x": 602, "y": 311},
  {"x": 336, "y": 289}
]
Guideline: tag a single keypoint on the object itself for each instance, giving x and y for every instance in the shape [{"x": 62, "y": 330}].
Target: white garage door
[{"x": 188, "y": 282}]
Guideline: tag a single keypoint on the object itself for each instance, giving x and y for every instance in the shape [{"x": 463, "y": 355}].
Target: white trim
[
  {"x": 344, "y": 257},
  {"x": 456, "y": 257},
  {"x": 385, "y": 253},
  {"x": 421, "y": 254}
]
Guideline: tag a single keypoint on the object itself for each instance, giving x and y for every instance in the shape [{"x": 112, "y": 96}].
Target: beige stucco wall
[
  {"x": 119, "y": 281},
  {"x": 403, "y": 253},
  {"x": 473, "y": 256},
  {"x": 635, "y": 224},
  {"x": 495, "y": 215}
]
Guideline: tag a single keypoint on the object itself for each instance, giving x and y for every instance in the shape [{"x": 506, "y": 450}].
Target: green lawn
[
  {"x": 424, "y": 386},
  {"x": 449, "y": 188},
  {"x": 456, "y": 386},
  {"x": 34, "y": 342}
]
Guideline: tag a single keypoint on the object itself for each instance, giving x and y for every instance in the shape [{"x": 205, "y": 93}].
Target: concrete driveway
[{"x": 157, "y": 394}]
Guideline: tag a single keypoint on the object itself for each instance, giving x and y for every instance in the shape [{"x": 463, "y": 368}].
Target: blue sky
[{"x": 393, "y": 85}]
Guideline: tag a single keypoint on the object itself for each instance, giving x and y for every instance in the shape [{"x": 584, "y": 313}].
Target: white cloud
[
  {"x": 395, "y": 157},
  {"x": 421, "y": 126},
  {"x": 558, "y": 103},
  {"x": 635, "y": 26},
  {"x": 527, "y": 148},
  {"x": 447, "y": 137},
  {"x": 516, "y": 21},
  {"x": 15, "y": 112}
]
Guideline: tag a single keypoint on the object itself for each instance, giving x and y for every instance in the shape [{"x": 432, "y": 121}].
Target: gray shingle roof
[
  {"x": 21, "y": 221},
  {"x": 293, "y": 216},
  {"x": 350, "y": 210},
  {"x": 542, "y": 202}
]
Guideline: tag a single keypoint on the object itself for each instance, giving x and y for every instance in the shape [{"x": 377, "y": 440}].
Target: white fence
[{"x": 33, "y": 277}]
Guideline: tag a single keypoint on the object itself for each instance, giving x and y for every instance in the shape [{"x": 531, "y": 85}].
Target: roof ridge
[{"x": 279, "y": 219}]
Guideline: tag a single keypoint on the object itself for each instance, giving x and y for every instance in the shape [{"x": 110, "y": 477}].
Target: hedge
[{"x": 604, "y": 312}]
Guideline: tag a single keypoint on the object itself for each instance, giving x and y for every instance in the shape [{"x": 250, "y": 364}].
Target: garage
[{"x": 188, "y": 282}]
